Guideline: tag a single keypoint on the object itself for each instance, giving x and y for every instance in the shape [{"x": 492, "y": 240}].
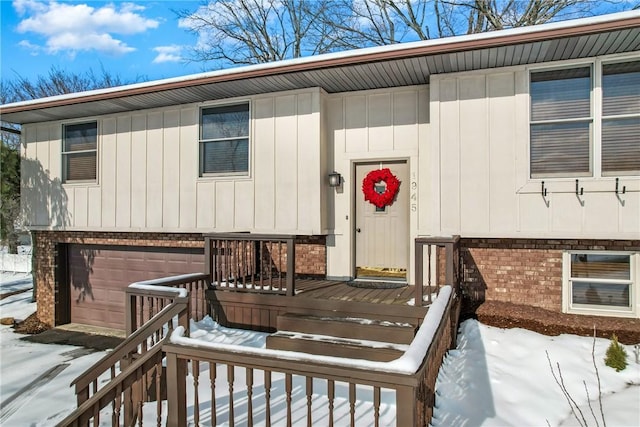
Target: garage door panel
[
  {"x": 154, "y": 256},
  {"x": 100, "y": 274}
]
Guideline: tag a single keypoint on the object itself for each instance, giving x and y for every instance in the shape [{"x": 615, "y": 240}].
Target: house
[{"x": 524, "y": 142}]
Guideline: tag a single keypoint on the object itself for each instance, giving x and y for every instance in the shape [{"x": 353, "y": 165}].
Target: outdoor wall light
[{"x": 335, "y": 179}]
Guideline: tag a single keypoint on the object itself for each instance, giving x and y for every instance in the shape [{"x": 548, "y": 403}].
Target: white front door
[{"x": 382, "y": 233}]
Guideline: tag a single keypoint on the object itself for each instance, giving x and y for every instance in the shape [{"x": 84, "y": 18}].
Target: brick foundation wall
[
  {"x": 523, "y": 271},
  {"x": 310, "y": 256}
]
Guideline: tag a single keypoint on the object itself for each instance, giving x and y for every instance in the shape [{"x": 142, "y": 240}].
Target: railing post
[
  {"x": 208, "y": 264},
  {"x": 82, "y": 396},
  {"x": 131, "y": 326},
  {"x": 406, "y": 406},
  {"x": 128, "y": 401},
  {"x": 456, "y": 262},
  {"x": 291, "y": 266},
  {"x": 419, "y": 250},
  {"x": 130, "y": 313},
  {"x": 176, "y": 391},
  {"x": 448, "y": 275},
  {"x": 185, "y": 315}
]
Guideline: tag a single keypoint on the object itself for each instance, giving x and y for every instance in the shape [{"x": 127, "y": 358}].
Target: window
[
  {"x": 585, "y": 121},
  {"x": 79, "y": 152},
  {"x": 224, "y": 140},
  {"x": 600, "y": 281},
  {"x": 621, "y": 118}
]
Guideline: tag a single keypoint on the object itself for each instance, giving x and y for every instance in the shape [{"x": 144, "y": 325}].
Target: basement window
[
  {"x": 601, "y": 283},
  {"x": 224, "y": 140},
  {"x": 80, "y": 152}
]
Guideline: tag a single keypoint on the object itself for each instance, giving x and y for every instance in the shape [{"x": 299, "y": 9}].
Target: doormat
[
  {"x": 376, "y": 285},
  {"x": 381, "y": 272}
]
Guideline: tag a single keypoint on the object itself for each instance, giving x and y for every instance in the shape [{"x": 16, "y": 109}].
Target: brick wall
[
  {"x": 310, "y": 256},
  {"x": 523, "y": 271}
]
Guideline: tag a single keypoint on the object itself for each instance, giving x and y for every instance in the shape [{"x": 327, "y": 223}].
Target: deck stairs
[{"x": 351, "y": 337}]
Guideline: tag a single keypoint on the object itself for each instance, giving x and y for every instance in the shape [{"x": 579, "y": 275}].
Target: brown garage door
[{"x": 98, "y": 276}]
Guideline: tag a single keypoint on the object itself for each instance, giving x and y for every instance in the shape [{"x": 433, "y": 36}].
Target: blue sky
[{"x": 129, "y": 39}]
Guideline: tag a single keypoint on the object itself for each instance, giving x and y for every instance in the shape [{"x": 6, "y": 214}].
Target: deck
[
  {"x": 259, "y": 312},
  {"x": 342, "y": 291}
]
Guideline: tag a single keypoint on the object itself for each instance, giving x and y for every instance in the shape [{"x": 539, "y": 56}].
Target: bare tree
[
  {"x": 57, "y": 82},
  {"x": 381, "y": 22},
  {"x": 233, "y": 32},
  {"x": 489, "y": 15}
]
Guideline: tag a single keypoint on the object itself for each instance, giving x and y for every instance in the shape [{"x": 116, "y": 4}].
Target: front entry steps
[
  {"x": 348, "y": 327},
  {"x": 350, "y": 337},
  {"x": 339, "y": 347}
]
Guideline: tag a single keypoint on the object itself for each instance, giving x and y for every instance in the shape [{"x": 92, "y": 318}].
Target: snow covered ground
[
  {"x": 501, "y": 377},
  {"x": 13, "y": 282},
  {"x": 495, "y": 377}
]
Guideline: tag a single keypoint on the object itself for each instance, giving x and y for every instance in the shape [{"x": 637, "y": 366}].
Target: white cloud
[
  {"x": 82, "y": 42},
  {"x": 35, "y": 49},
  {"x": 74, "y": 27},
  {"x": 22, "y": 6},
  {"x": 168, "y": 54}
]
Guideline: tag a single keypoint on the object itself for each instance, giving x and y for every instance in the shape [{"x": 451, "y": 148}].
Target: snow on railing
[
  {"x": 165, "y": 284},
  {"x": 148, "y": 297}
]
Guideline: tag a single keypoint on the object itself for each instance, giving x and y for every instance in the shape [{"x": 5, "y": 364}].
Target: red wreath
[{"x": 380, "y": 199}]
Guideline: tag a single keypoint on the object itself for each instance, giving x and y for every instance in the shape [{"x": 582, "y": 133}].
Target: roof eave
[{"x": 386, "y": 53}]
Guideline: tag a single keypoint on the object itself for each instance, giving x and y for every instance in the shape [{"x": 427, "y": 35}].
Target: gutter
[{"x": 10, "y": 130}]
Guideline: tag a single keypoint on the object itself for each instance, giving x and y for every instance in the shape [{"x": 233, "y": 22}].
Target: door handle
[{"x": 358, "y": 230}]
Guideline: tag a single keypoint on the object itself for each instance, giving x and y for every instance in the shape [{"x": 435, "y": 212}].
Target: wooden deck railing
[
  {"x": 142, "y": 305},
  {"x": 248, "y": 386},
  {"x": 432, "y": 265},
  {"x": 134, "y": 368},
  {"x": 258, "y": 263}
]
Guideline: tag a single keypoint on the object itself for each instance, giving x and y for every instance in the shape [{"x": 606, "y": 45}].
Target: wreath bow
[{"x": 380, "y": 199}]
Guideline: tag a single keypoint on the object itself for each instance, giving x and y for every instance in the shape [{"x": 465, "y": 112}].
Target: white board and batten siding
[
  {"x": 478, "y": 180},
  {"x": 148, "y": 173}
]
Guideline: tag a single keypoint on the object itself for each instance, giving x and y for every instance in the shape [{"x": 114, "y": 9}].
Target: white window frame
[
  {"x": 64, "y": 153},
  {"x": 634, "y": 282},
  {"x": 241, "y": 174},
  {"x": 595, "y": 136}
]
